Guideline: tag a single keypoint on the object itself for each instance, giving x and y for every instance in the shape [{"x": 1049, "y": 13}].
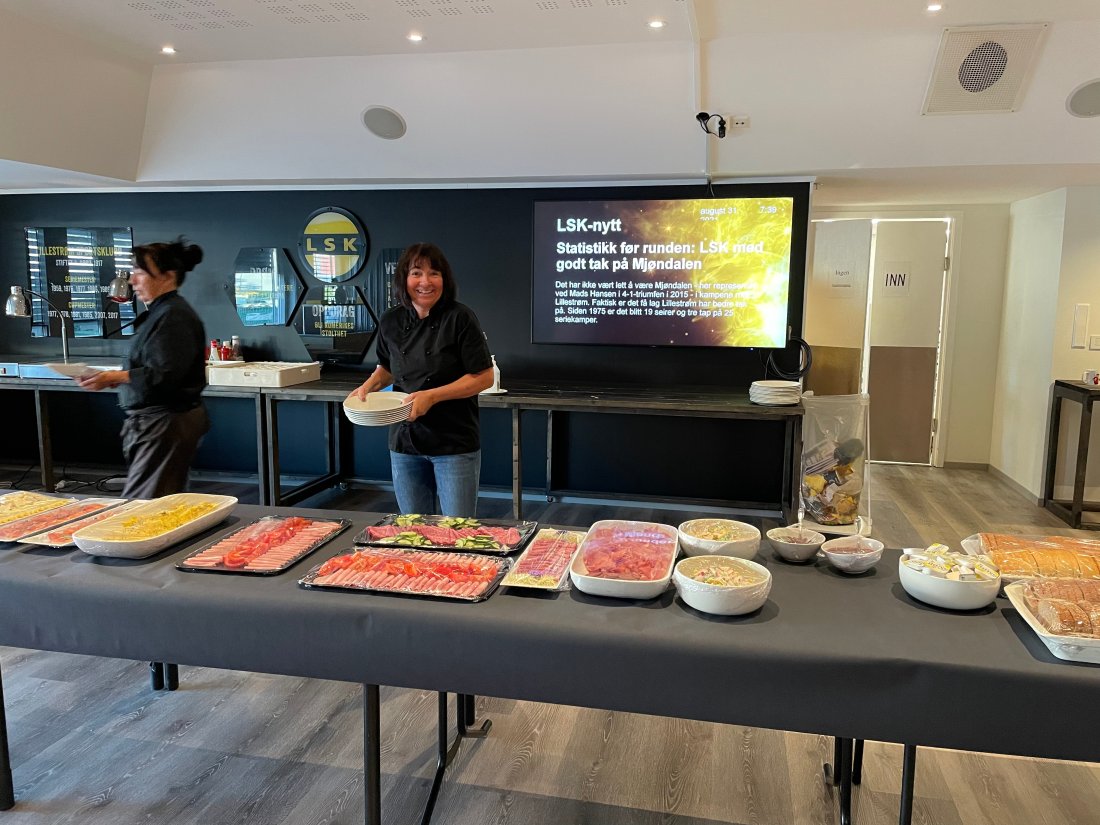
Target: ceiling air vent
[{"x": 983, "y": 68}]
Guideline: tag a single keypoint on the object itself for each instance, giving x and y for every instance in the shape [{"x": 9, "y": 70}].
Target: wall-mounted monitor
[{"x": 684, "y": 272}]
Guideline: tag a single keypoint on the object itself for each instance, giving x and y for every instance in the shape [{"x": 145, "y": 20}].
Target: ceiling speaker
[
  {"x": 1084, "y": 101},
  {"x": 983, "y": 68},
  {"x": 384, "y": 122}
]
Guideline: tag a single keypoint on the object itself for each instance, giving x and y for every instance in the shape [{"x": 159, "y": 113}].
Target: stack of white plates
[
  {"x": 775, "y": 393},
  {"x": 378, "y": 410}
]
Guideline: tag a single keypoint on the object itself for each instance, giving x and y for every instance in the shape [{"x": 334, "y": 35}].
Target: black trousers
[{"x": 159, "y": 446}]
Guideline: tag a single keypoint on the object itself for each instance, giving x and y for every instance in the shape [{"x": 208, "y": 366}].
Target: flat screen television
[{"x": 682, "y": 272}]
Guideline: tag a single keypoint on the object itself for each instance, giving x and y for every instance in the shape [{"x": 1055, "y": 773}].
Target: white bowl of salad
[
  {"x": 722, "y": 585},
  {"x": 718, "y": 537}
]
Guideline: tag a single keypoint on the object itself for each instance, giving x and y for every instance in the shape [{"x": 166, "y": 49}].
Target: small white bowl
[
  {"x": 852, "y": 562},
  {"x": 743, "y": 548},
  {"x": 781, "y": 541},
  {"x": 721, "y": 601},
  {"x": 947, "y": 593}
]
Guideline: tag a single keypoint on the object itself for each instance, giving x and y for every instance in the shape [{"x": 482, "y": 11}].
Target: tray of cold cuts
[
  {"x": 467, "y": 576},
  {"x": 265, "y": 547},
  {"x": 625, "y": 559},
  {"x": 448, "y": 533},
  {"x": 544, "y": 565},
  {"x": 72, "y": 509},
  {"x": 21, "y": 504},
  {"x": 62, "y": 536}
]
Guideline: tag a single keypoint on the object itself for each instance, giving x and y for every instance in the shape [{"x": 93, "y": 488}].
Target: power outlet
[
  {"x": 739, "y": 121},
  {"x": 1094, "y": 342}
]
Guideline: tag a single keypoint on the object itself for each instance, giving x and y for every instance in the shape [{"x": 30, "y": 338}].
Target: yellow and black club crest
[{"x": 333, "y": 245}]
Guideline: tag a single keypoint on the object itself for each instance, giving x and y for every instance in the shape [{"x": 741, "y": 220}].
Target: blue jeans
[{"x": 441, "y": 484}]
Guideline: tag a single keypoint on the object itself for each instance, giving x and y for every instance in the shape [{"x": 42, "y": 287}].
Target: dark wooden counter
[{"x": 1070, "y": 511}]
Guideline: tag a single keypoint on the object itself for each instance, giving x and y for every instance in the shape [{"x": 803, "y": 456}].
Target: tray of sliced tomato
[
  {"x": 466, "y": 576},
  {"x": 265, "y": 547}
]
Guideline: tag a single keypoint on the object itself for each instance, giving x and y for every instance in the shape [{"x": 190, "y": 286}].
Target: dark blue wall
[{"x": 486, "y": 234}]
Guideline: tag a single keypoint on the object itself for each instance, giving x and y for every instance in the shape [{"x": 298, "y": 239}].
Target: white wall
[
  {"x": 978, "y": 279},
  {"x": 1079, "y": 283},
  {"x": 1027, "y": 338},
  {"x": 791, "y": 83},
  {"x": 568, "y": 112},
  {"x": 67, "y": 104}
]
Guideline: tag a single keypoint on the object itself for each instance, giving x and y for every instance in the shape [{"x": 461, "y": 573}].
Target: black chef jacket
[
  {"x": 167, "y": 361},
  {"x": 422, "y": 353}
]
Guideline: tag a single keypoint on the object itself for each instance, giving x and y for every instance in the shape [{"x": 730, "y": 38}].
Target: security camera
[{"x": 705, "y": 118}]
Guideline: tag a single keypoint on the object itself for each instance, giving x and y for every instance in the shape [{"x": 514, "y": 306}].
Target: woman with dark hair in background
[
  {"x": 432, "y": 347},
  {"x": 163, "y": 377}
]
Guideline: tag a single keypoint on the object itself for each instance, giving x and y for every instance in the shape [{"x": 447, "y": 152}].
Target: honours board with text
[{"x": 708, "y": 272}]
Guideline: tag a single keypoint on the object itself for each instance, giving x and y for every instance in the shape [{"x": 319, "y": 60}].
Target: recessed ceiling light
[
  {"x": 167, "y": 50},
  {"x": 935, "y": 7},
  {"x": 416, "y": 37},
  {"x": 656, "y": 24}
]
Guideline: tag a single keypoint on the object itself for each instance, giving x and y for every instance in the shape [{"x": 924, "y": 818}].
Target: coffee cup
[{"x": 1091, "y": 377}]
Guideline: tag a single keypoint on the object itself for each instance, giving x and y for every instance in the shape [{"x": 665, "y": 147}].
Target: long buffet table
[{"x": 849, "y": 657}]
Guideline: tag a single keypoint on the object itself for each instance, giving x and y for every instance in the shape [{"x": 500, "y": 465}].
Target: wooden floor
[{"x": 91, "y": 744}]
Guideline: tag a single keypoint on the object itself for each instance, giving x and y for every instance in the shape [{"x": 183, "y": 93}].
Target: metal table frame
[
  {"x": 43, "y": 388},
  {"x": 699, "y": 404},
  {"x": 1070, "y": 511}
]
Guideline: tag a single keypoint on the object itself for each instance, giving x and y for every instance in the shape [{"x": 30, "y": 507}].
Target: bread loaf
[{"x": 1063, "y": 618}]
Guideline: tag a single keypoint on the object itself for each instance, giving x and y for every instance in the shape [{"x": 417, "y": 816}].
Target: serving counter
[
  {"x": 556, "y": 400},
  {"x": 848, "y": 657}
]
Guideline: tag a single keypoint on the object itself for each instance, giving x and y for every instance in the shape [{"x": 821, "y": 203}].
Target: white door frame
[{"x": 946, "y": 359}]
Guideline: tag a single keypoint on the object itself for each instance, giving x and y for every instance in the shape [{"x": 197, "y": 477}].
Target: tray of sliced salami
[
  {"x": 265, "y": 547},
  {"x": 469, "y": 535},
  {"x": 55, "y": 528},
  {"x": 392, "y": 570},
  {"x": 544, "y": 565}
]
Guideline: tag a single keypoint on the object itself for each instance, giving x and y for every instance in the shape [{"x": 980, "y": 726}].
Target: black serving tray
[
  {"x": 343, "y": 523},
  {"x": 526, "y": 530}
]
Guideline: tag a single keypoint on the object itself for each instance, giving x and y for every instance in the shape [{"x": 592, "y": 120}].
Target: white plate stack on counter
[
  {"x": 379, "y": 409},
  {"x": 775, "y": 393}
]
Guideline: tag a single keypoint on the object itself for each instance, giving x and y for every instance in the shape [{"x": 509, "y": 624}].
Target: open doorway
[{"x": 876, "y": 315}]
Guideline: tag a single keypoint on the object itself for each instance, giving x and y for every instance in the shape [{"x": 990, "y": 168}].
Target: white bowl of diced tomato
[{"x": 625, "y": 559}]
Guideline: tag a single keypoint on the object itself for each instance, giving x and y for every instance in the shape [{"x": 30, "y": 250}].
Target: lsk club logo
[{"x": 333, "y": 245}]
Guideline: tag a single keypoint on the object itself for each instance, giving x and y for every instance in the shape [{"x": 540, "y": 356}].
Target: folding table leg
[
  {"x": 845, "y": 782},
  {"x": 7, "y": 789},
  {"x": 156, "y": 675},
  {"x": 372, "y": 757},
  {"x": 839, "y": 773},
  {"x": 465, "y": 712},
  {"x": 171, "y": 676},
  {"x": 908, "y": 775},
  {"x": 857, "y": 763}
]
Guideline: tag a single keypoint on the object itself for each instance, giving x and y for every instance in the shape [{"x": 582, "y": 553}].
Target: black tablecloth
[{"x": 849, "y": 656}]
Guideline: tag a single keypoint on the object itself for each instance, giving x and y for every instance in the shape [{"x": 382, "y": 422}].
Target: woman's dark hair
[
  {"x": 176, "y": 256},
  {"x": 436, "y": 260}
]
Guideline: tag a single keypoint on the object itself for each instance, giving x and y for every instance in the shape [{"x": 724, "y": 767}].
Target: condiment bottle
[
  {"x": 236, "y": 347},
  {"x": 215, "y": 350},
  {"x": 227, "y": 352}
]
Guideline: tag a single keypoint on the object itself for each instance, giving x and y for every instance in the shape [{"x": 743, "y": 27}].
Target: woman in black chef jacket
[
  {"x": 164, "y": 375},
  {"x": 432, "y": 347}
]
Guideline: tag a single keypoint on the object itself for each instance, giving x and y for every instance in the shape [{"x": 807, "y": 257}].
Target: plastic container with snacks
[{"x": 834, "y": 477}]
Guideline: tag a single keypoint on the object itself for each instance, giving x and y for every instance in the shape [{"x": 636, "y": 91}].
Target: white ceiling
[{"x": 742, "y": 49}]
